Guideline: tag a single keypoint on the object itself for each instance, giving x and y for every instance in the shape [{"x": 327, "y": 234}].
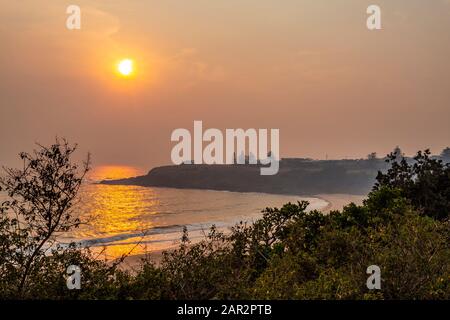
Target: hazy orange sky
[{"x": 310, "y": 68}]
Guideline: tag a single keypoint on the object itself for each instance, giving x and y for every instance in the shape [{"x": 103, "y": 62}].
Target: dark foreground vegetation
[{"x": 403, "y": 227}]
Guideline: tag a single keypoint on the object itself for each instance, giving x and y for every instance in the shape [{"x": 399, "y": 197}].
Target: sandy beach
[
  {"x": 335, "y": 202},
  {"x": 338, "y": 201}
]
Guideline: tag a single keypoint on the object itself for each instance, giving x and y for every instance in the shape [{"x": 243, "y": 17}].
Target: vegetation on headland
[
  {"x": 403, "y": 227},
  {"x": 295, "y": 176},
  {"x": 299, "y": 176}
]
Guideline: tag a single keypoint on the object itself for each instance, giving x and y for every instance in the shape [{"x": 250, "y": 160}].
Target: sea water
[{"x": 118, "y": 219}]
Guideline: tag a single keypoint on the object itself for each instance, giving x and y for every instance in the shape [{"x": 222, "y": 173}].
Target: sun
[{"x": 125, "y": 67}]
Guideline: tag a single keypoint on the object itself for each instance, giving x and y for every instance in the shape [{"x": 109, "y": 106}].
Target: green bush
[{"x": 289, "y": 253}]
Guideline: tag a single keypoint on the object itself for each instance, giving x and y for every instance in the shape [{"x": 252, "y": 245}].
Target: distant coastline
[{"x": 300, "y": 177}]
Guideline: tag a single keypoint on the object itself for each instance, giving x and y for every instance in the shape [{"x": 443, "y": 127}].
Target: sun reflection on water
[
  {"x": 113, "y": 211},
  {"x": 119, "y": 218},
  {"x": 117, "y": 209},
  {"x": 109, "y": 172}
]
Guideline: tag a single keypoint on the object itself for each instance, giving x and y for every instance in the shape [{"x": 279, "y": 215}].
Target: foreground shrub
[{"x": 289, "y": 253}]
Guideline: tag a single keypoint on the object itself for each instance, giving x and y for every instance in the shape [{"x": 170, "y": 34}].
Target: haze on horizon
[{"x": 310, "y": 68}]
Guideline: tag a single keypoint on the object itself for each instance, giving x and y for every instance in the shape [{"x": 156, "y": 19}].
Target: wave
[{"x": 174, "y": 230}]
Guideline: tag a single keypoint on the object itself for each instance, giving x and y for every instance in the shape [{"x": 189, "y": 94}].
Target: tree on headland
[
  {"x": 372, "y": 156},
  {"x": 445, "y": 155},
  {"x": 398, "y": 153}
]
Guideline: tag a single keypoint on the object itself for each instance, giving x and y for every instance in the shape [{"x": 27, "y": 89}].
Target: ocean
[{"x": 121, "y": 219}]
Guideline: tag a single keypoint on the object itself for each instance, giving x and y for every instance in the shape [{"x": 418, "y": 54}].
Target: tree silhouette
[
  {"x": 425, "y": 183},
  {"x": 42, "y": 195}
]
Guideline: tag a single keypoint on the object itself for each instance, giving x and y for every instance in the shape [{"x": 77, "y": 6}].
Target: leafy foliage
[
  {"x": 425, "y": 183},
  {"x": 289, "y": 253},
  {"x": 42, "y": 195}
]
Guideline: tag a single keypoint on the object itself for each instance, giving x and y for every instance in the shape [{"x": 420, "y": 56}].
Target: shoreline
[{"x": 336, "y": 201}]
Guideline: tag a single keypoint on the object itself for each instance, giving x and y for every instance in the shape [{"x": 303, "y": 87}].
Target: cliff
[{"x": 296, "y": 176}]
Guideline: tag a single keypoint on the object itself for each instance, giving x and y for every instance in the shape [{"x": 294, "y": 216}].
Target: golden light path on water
[{"x": 121, "y": 219}]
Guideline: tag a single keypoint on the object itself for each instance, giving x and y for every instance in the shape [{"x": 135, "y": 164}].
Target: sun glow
[{"x": 125, "y": 67}]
